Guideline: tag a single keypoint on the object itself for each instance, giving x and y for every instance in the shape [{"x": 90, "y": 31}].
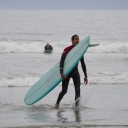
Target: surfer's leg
[
  {"x": 76, "y": 80},
  {"x": 63, "y": 91}
]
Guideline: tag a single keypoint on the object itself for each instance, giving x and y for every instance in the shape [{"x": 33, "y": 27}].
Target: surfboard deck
[{"x": 52, "y": 78}]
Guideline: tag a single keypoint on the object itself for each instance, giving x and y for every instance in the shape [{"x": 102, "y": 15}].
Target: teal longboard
[{"x": 52, "y": 78}]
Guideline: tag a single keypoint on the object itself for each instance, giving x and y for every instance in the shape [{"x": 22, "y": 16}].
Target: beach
[{"x": 104, "y": 101}]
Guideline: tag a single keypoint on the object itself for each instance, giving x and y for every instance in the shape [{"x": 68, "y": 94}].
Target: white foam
[
  {"x": 28, "y": 46},
  {"x": 94, "y": 78},
  {"x": 18, "y": 81},
  {"x": 108, "y": 47},
  {"x": 108, "y": 78}
]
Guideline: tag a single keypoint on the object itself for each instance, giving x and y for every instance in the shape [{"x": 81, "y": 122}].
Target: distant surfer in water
[
  {"x": 74, "y": 74},
  {"x": 48, "y": 47}
]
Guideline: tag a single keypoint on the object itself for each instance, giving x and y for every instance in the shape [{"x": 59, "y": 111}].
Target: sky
[{"x": 64, "y": 4}]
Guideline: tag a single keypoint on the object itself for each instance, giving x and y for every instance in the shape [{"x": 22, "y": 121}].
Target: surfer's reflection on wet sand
[
  {"x": 61, "y": 116},
  {"x": 77, "y": 115}
]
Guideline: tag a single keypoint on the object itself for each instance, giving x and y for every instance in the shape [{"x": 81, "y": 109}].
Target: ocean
[{"x": 23, "y": 35}]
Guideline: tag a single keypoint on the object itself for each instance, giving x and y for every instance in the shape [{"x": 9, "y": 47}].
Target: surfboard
[
  {"x": 93, "y": 45},
  {"x": 47, "y": 51},
  {"x": 52, "y": 78}
]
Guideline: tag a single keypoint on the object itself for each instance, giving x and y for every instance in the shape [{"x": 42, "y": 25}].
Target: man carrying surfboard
[{"x": 74, "y": 74}]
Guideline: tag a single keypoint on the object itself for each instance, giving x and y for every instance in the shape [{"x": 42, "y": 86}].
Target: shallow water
[{"x": 101, "y": 105}]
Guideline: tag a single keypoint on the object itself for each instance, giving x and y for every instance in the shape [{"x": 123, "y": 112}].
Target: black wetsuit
[
  {"x": 48, "y": 48},
  {"x": 74, "y": 74}
]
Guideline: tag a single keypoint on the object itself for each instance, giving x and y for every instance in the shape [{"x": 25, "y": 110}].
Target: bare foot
[{"x": 56, "y": 106}]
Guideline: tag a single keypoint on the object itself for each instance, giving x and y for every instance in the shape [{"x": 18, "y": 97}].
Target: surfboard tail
[{"x": 93, "y": 45}]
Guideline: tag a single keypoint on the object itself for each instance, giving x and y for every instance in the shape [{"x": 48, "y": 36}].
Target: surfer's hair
[{"x": 72, "y": 38}]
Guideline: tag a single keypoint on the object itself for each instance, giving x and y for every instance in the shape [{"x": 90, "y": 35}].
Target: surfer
[
  {"x": 74, "y": 74},
  {"x": 48, "y": 47}
]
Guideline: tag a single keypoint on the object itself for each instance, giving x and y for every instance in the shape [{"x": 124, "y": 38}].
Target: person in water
[
  {"x": 74, "y": 74},
  {"x": 48, "y": 47}
]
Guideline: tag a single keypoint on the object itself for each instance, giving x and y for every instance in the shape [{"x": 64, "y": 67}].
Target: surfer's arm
[
  {"x": 62, "y": 63},
  {"x": 61, "y": 67},
  {"x": 64, "y": 54},
  {"x": 84, "y": 70},
  {"x": 45, "y": 48},
  {"x": 83, "y": 66}
]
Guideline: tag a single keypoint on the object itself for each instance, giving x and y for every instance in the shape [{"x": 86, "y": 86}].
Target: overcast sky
[{"x": 64, "y": 4}]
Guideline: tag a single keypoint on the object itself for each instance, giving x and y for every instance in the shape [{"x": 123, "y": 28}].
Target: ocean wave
[
  {"x": 21, "y": 46},
  {"x": 94, "y": 78},
  {"x": 108, "y": 78},
  {"x": 37, "y": 46},
  {"x": 116, "y": 47}
]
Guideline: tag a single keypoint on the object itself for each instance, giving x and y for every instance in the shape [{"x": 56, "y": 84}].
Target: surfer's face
[{"x": 75, "y": 41}]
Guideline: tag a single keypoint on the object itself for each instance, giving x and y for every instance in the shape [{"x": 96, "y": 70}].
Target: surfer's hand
[
  {"x": 86, "y": 80},
  {"x": 63, "y": 76}
]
